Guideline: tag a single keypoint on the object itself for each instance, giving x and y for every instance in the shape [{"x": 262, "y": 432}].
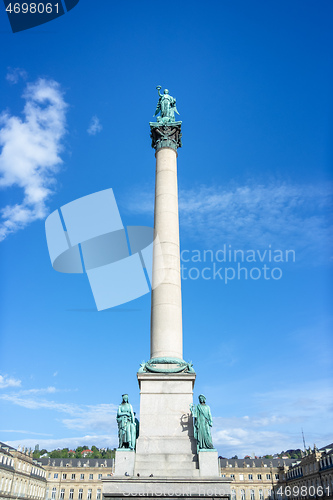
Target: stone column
[{"x": 166, "y": 339}]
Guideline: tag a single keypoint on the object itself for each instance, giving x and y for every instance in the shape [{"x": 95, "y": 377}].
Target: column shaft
[{"x": 166, "y": 302}]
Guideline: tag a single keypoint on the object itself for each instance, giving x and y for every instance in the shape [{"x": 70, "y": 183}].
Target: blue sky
[{"x": 253, "y": 82}]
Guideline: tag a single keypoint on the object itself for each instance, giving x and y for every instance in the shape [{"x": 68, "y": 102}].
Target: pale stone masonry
[
  {"x": 313, "y": 475},
  {"x": 254, "y": 479},
  {"x": 166, "y": 301},
  {"x": 20, "y": 475},
  {"x": 166, "y": 446},
  {"x": 76, "y": 479}
]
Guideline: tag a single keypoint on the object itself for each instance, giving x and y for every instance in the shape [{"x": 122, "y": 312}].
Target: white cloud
[
  {"x": 6, "y": 381},
  {"x": 30, "y": 149},
  {"x": 247, "y": 216},
  {"x": 99, "y": 440},
  {"x": 277, "y": 420},
  {"x": 101, "y": 417},
  {"x": 15, "y": 431},
  {"x": 94, "y": 126},
  {"x": 38, "y": 404},
  {"x": 14, "y": 74},
  {"x": 98, "y": 422},
  {"x": 46, "y": 390},
  {"x": 82, "y": 417}
]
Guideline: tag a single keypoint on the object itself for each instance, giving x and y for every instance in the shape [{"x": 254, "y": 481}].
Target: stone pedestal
[
  {"x": 124, "y": 462},
  {"x": 166, "y": 446},
  {"x": 166, "y": 488},
  {"x": 208, "y": 463}
]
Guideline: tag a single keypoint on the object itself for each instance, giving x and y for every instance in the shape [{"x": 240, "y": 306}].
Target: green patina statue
[
  {"x": 202, "y": 423},
  {"x": 126, "y": 424},
  {"x": 166, "y": 106}
]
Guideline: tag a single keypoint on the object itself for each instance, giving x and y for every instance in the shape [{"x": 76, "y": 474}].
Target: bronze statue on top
[{"x": 166, "y": 106}]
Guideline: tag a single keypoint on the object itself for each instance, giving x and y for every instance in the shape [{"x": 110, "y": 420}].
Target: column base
[
  {"x": 124, "y": 462},
  {"x": 208, "y": 463}
]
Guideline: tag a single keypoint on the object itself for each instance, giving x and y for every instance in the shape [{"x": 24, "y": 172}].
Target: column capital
[{"x": 166, "y": 136}]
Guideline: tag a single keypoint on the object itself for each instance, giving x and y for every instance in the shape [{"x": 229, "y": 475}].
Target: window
[
  {"x": 73, "y": 476},
  {"x": 252, "y": 495},
  {"x": 64, "y": 476},
  {"x": 277, "y": 476},
  {"x": 91, "y": 476},
  {"x": 251, "y": 476},
  {"x": 242, "y": 494},
  {"x": 99, "y": 476},
  {"x": 80, "y": 494},
  {"x": 62, "y": 494},
  {"x": 268, "y": 476},
  {"x": 261, "y": 495},
  {"x": 81, "y": 476},
  {"x": 259, "y": 476},
  {"x": 54, "y": 490},
  {"x": 233, "y": 495},
  {"x": 55, "y": 475},
  {"x": 241, "y": 477},
  {"x": 89, "y": 495},
  {"x": 98, "y": 495},
  {"x": 49, "y": 475},
  {"x": 71, "y": 494},
  {"x": 47, "y": 494},
  {"x": 232, "y": 476},
  {"x": 222, "y": 475}
]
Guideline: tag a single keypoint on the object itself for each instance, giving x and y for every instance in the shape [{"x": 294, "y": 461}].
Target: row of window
[
  {"x": 21, "y": 488},
  {"x": 5, "y": 484},
  {"x": 71, "y": 494},
  {"x": 250, "y": 476},
  {"x": 245, "y": 465},
  {"x": 243, "y": 496},
  {"x": 73, "y": 476},
  {"x": 326, "y": 461},
  {"x": 6, "y": 460}
]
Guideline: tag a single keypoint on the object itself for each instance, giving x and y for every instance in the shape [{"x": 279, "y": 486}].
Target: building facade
[
  {"x": 312, "y": 476},
  {"x": 20, "y": 475},
  {"x": 254, "y": 479},
  {"x": 76, "y": 479}
]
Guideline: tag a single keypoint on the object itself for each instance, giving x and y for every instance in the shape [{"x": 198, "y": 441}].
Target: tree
[
  {"x": 55, "y": 454},
  {"x": 235, "y": 457},
  {"x": 78, "y": 451}
]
